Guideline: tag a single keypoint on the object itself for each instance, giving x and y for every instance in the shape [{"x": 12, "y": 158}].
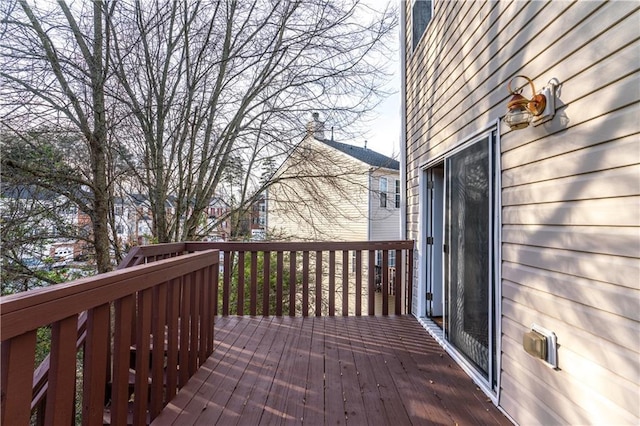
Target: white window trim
[{"x": 414, "y": 43}]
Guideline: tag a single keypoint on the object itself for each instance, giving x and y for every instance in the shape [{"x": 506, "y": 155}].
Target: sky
[{"x": 383, "y": 135}]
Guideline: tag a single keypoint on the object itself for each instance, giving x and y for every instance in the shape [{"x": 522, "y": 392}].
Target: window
[
  {"x": 397, "y": 194},
  {"x": 421, "y": 12},
  {"x": 383, "y": 192}
]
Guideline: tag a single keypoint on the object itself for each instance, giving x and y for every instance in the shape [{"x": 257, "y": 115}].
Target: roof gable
[{"x": 365, "y": 155}]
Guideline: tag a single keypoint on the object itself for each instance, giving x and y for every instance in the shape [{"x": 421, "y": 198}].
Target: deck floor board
[{"x": 328, "y": 370}]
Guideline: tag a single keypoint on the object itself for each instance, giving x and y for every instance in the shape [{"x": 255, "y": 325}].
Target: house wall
[
  {"x": 385, "y": 221},
  {"x": 570, "y": 188},
  {"x": 322, "y": 195}
]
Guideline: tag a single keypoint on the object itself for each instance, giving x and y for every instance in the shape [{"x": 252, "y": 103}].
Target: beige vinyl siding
[
  {"x": 570, "y": 189},
  {"x": 385, "y": 221},
  {"x": 323, "y": 200}
]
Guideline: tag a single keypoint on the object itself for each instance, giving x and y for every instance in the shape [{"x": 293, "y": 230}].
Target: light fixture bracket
[{"x": 548, "y": 109}]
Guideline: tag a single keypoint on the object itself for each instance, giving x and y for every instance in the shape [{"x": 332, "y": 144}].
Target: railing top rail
[
  {"x": 150, "y": 250},
  {"x": 300, "y": 245},
  {"x": 27, "y": 311}
]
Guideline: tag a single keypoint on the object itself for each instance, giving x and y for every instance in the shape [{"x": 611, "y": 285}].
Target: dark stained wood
[
  {"x": 173, "y": 313},
  {"x": 158, "y": 329},
  {"x": 121, "y": 347},
  {"x": 409, "y": 281},
  {"x": 185, "y": 314},
  {"x": 143, "y": 340},
  {"x": 371, "y": 285},
  {"x": 62, "y": 372},
  {"x": 297, "y": 245},
  {"x": 240, "y": 285},
  {"x": 332, "y": 283},
  {"x": 385, "y": 282},
  {"x": 79, "y": 314},
  {"x": 358, "y": 282},
  {"x": 292, "y": 283},
  {"x": 279, "y": 279},
  {"x": 397, "y": 285},
  {"x": 345, "y": 282},
  {"x": 266, "y": 274},
  {"x": 376, "y": 370},
  {"x": 318, "y": 280},
  {"x": 95, "y": 364},
  {"x": 194, "y": 340},
  {"x": 254, "y": 283},
  {"x": 226, "y": 282},
  {"x": 305, "y": 284},
  {"x": 18, "y": 356}
]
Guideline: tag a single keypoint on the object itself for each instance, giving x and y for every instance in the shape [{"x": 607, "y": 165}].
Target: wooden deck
[{"x": 329, "y": 370}]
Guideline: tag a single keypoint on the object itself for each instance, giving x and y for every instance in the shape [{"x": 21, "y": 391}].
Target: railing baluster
[
  {"x": 240, "y": 283},
  {"x": 385, "y": 282},
  {"x": 205, "y": 315},
  {"x": 279, "y": 278},
  {"x": 358, "y": 282},
  {"x": 318, "y": 283},
  {"x": 185, "y": 316},
  {"x": 292, "y": 284},
  {"x": 159, "y": 319},
  {"x": 194, "y": 322},
  {"x": 62, "y": 372},
  {"x": 398, "y": 282},
  {"x": 371, "y": 284},
  {"x": 227, "y": 282},
  {"x": 95, "y": 364},
  {"x": 121, "y": 349},
  {"x": 345, "y": 283},
  {"x": 173, "y": 314},
  {"x": 215, "y": 283},
  {"x": 18, "y": 356},
  {"x": 143, "y": 341},
  {"x": 266, "y": 274},
  {"x": 332, "y": 283},
  {"x": 305, "y": 283},
  {"x": 254, "y": 283}
]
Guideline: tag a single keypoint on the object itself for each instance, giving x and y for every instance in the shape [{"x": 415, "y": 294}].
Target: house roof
[{"x": 365, "y": 155}]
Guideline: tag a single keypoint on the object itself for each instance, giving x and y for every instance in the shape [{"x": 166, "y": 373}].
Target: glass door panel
[{"x": 468, "y": 241}]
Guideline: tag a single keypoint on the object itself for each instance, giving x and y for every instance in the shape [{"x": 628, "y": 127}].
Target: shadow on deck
[{"x": 376, "y": 370}]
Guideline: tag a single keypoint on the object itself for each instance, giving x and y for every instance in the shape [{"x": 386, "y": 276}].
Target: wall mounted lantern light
[{"x": 522, "y": 111}]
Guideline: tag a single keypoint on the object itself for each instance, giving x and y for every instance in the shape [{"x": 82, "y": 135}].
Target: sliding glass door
[{"x": 462, "y": 240}]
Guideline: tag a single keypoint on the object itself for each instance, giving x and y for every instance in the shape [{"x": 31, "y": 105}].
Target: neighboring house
[
  {"x": 132, "y": 219},
  {"x": 47, "y": 218},
  {"x": 218, "y": 221},
  {"x": 332, "y": 191},
  {"x": 532, "y": 226}
]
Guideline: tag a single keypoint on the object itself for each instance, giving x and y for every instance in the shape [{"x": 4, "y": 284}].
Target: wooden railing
[
  {"x": 148, "y": 328},
  {"x": 303, "y": 278},
  {"x": 135, "y": 336}
]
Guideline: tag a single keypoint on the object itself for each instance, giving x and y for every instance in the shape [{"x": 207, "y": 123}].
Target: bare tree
[
  {"x": 52, "y": 76},
  {"x": 206, "y": 82}
]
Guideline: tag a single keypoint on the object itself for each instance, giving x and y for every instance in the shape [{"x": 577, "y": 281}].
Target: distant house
[
  {"x": 528, "y": 235},
  {"x": 332, "y": 191},
  {"x": 218, "y": 226},
  {"x": 58, "y": 226}
]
